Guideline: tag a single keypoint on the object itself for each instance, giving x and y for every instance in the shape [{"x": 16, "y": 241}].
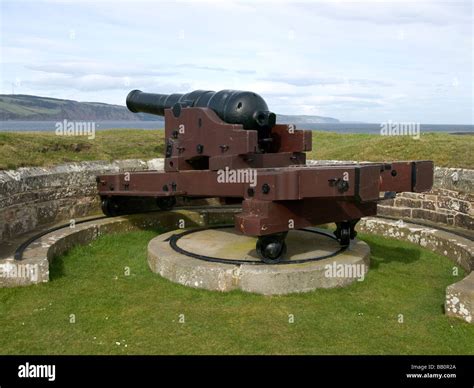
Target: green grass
[
  {"x": 142, "y": 310},
  {"x": 444, "y": 149},
  {"x": 46, "y": 149}
]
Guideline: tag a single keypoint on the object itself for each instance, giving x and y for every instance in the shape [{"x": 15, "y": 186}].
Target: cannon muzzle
[{"x": 232, "y": 106}]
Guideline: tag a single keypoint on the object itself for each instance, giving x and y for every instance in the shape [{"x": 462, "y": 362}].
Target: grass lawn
[
  {"x": 46, "y": 149},
  {"x": 140, "y": 313}
]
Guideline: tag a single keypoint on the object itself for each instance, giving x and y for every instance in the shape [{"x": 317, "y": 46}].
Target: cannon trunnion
[{"x": 226, "y": 144}]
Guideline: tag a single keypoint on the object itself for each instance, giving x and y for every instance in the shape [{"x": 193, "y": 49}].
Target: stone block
[
  {"x": 456, "y": 179},
  {"x": 464, "y": 221},
  {"x": 393, "y": 212},
  {"x": 408, "y": 202},
  {"x": 460, "y": 299},
  {"x": 429, "y": 205},
  {"x": 454, "y": 204},
  {"x": 430, "y": 215},
  {"x": 411, "y": 195}
]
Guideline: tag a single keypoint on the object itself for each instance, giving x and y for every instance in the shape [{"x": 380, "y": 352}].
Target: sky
[{"x": 371, "y": 61}]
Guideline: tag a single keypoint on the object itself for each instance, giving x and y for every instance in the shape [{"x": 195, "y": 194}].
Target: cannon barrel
[{"x": 232, "y": 106}]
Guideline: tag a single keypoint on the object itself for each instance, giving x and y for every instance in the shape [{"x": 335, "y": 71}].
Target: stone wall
[
  {"x": 34, "y": 196},
  {"x": 450, "y": 202}
]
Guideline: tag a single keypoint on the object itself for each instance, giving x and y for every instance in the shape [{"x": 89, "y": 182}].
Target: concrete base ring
[{"x": 334, "y": 271}]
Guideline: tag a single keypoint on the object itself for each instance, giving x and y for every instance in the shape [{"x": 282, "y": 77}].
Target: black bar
[{"x": 198, "y": 370}]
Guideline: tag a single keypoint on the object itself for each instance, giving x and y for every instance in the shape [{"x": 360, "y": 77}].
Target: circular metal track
[
  {"x": 19, "y": 251},
  {"x": 173, "y": 240}
]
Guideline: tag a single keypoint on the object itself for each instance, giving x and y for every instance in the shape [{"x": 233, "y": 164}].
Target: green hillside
[{"x": 34, "y": 108}]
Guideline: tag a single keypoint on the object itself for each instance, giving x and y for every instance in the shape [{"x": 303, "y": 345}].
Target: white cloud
[
  {"x": 350, "y": 60},
  {"x": 84, "y": 68}
]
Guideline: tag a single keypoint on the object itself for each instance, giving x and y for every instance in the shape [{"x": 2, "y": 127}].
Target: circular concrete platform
[{"x": 251, "y": 275}]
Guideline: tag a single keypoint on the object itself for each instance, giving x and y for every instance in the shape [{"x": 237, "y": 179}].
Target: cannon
[
  {"x": 227, "y": 144},
  {"x": 232, "y": 106}
]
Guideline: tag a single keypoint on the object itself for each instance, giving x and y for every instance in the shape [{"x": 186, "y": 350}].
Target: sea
[{"x": 368, "y": 128}]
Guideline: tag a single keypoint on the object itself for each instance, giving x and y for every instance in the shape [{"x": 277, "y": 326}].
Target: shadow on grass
[
  {"x": 56, "y": 268},
  {"x": 386, "y": 254}
]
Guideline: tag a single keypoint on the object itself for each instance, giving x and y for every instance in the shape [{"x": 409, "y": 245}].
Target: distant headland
[{"x": 35, "y": 108}]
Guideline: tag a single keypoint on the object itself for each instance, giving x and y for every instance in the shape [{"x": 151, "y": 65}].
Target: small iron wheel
[
  {"x": 110, "y": 207},
  {"x": 345, "y": 238},
  {"x": 271, "y": 249},
  {"x": 166, "y": 203},
  {"x": 345, "y": 232}
]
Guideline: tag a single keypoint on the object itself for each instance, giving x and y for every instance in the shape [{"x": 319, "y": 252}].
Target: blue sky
[{"x": 357, "y": 61}]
